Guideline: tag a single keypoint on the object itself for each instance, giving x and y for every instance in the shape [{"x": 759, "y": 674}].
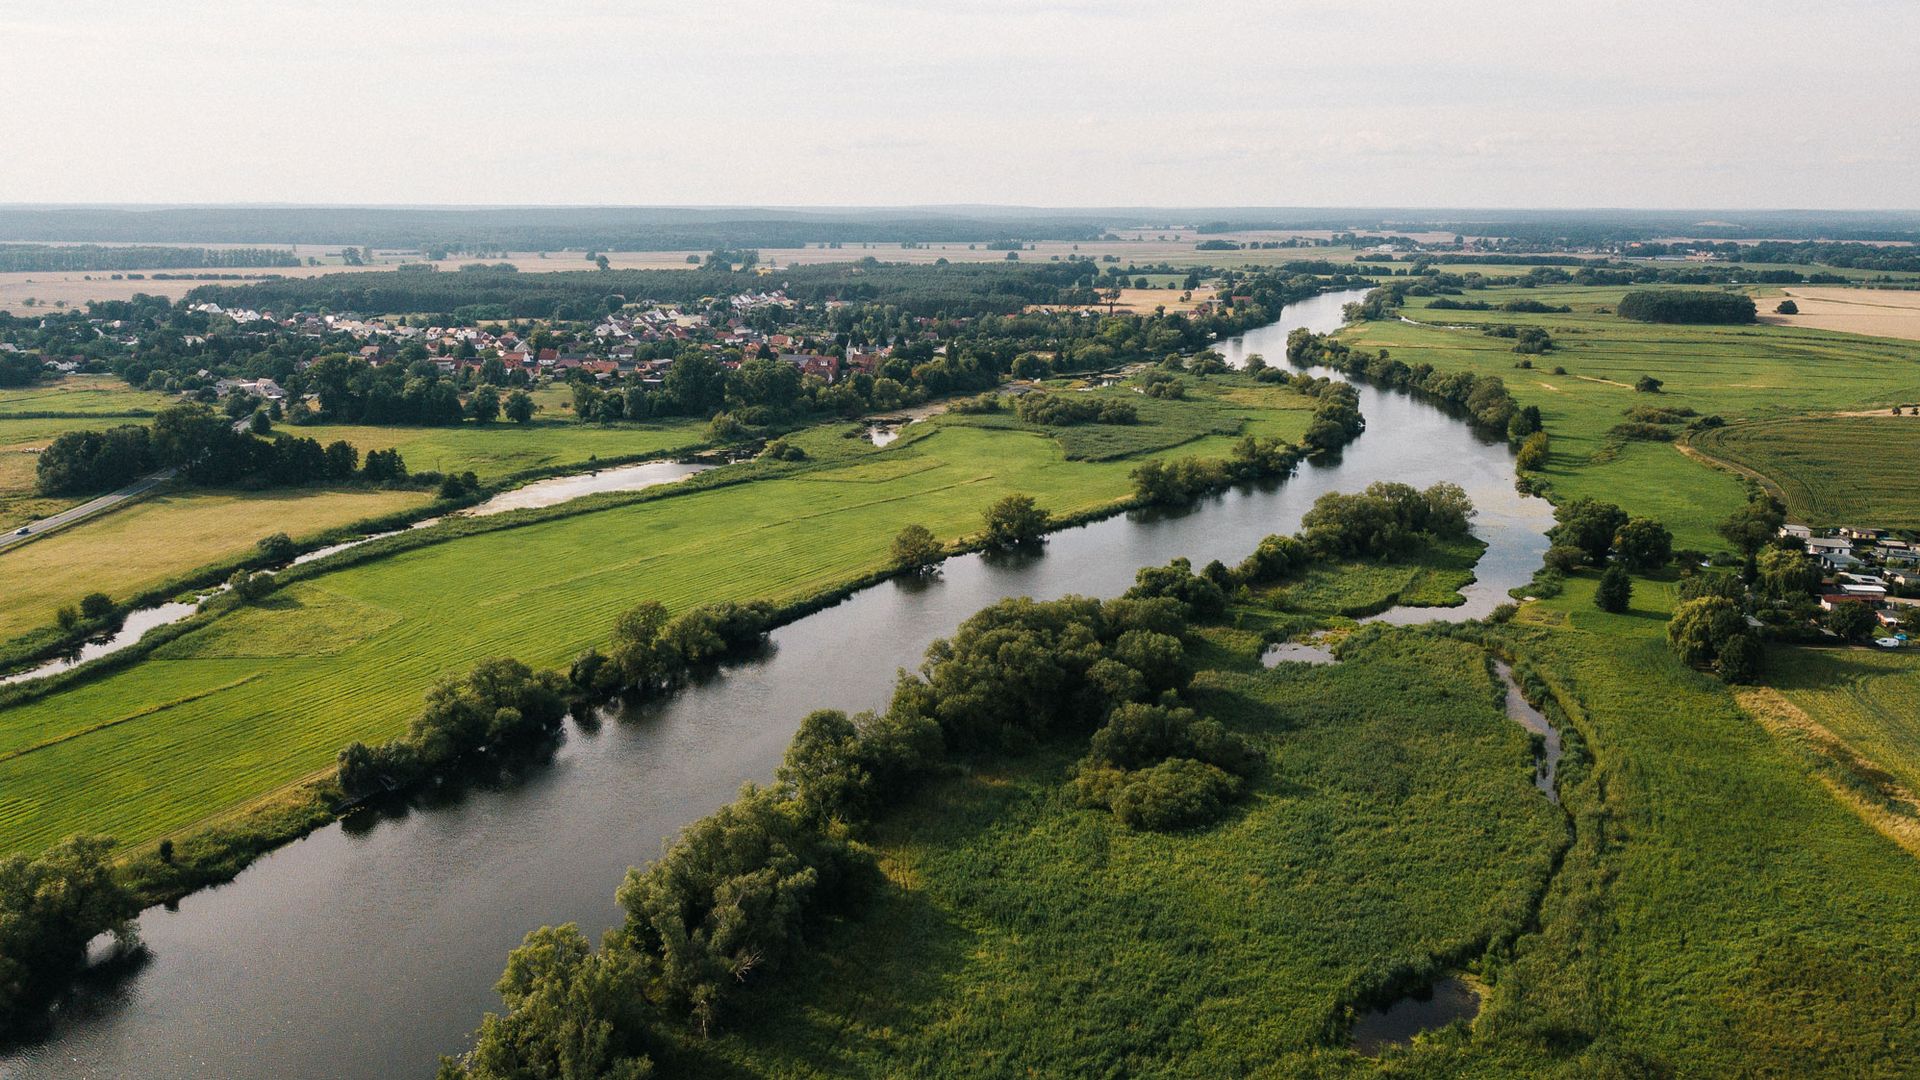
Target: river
[{"x": 371, "y": 946}]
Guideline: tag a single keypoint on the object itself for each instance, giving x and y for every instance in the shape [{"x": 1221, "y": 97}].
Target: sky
[{"x": 1509, "y": 103}]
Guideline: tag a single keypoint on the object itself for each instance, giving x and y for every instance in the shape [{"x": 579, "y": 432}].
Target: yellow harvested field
[
  {"x": 1888, "y": 313},
  {"x": 160, "y": 537},
  {"x": 1145, "y": 301}
]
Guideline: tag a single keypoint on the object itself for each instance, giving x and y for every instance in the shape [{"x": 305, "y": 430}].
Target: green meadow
[
  {"x": 225, "y": 714},
  {"x": 1735, "y": 372},
  {"x": 500, "y": 449}
]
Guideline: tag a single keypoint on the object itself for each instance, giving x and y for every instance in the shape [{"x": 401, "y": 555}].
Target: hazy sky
[{"x": 1043, "y": 102}]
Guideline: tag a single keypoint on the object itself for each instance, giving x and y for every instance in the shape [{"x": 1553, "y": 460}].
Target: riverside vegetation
[{"x": 313, "y": 619}]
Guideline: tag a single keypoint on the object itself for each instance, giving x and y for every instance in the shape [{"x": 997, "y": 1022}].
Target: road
[{"x": 86, "y": 509}]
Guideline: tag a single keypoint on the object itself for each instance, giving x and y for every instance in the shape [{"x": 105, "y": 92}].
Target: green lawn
[
  {"x": 1834, "y": 470},
  {"x": 1746, "y": 372},
  {"x": 258, "y": 719}
]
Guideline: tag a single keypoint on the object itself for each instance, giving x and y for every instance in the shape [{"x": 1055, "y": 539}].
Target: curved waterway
[{"x": 371, "y": 946}]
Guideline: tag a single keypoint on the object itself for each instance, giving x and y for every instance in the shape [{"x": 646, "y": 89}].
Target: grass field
[
  {"x": 248, "y": 724},
  {"x": 496, "y": 450},
  {"x": 1022, "y": 935},
  {"x": 1833, "y": 470},
  {"x": 1868, "y": 698},
  {"x": 164, "y": 535},
  {"x": 1751, "y": 372},
  {"x": 100, "y": 394}
]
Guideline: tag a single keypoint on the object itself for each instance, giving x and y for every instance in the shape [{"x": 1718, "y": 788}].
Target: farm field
[
  {"x": 1888, "y": 313},
  {"x": 1750, "y": 372},
  {"x": 1832, "y": 470},
  {"x": 1394, "y": 824},
  {"x": 231, "y": 726},
  {"x": 164, "y": 535},
  {"x": 96, "y": 401}
]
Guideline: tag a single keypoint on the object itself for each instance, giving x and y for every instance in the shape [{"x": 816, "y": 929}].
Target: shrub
[
  {"x": 1534, "y": 451},
  {"x": 276, "y": 549},
  {"x": 95, "y": 605},
  {"x": 1172, "y": 795}
]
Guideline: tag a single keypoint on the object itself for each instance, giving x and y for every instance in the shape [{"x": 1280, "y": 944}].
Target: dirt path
[
  {"x": 1609, "y": 382},
  {"x": 1713, "y": 462}
]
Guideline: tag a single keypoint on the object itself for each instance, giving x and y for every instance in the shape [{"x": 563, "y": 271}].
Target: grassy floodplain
[
  {"x": 1716, "y": 913},
  {"x": 1022, "y": 934},
  {"x": 165, "y": 743},
  {"x": 1736, "y": 372}
]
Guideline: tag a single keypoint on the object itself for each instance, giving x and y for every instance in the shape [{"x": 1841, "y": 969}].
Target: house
[
  {"x": 1830, "y": 601},
  {"x": 1798, "y": 532},
  {"x": 1819, "y": 545},
  {"x": 1839, "y": 560},
  {"x": 261, "y": 388},
  {"x": 827, "y": 367}
]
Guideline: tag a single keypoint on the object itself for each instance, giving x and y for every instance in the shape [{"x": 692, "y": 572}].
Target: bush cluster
[{"x": 1061, "y": 410}]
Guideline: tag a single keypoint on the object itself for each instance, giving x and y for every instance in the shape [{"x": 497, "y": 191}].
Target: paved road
[{"x": 86, "y": 509}]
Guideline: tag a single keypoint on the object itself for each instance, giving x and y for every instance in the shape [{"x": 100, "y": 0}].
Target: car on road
[{"x": 22, "y": 530}]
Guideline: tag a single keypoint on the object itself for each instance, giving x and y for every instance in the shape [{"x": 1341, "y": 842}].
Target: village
[{"x": 1872, "y": 569}]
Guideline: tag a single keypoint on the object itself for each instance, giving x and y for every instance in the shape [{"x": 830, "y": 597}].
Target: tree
[
  {"x": 1753, "y": 525},
  {"x": 916, "y": 549},
  {"x": 1643, "y": 544},
  {"x": 1739, "y": 660},
  {"x": 484, "y": 404},
  {"x": 1786, "y": 307},
  {"x": 1700, "y": 628},
  {"x": 1850, "y": 621},
  {"x": 95, "y": 605},
  {"x": 1785, "y": 575},
  {"x": 519, "y": 407},
  {"x": 1589, "y": 525},
  {"x": 1615, "y": 591},
  {"x": 1014, "y": 521}
]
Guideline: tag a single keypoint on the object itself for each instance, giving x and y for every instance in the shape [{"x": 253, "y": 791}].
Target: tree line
[
  {"x": 206, "y": 447},
  {"x": 1687, "y": 306}
]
